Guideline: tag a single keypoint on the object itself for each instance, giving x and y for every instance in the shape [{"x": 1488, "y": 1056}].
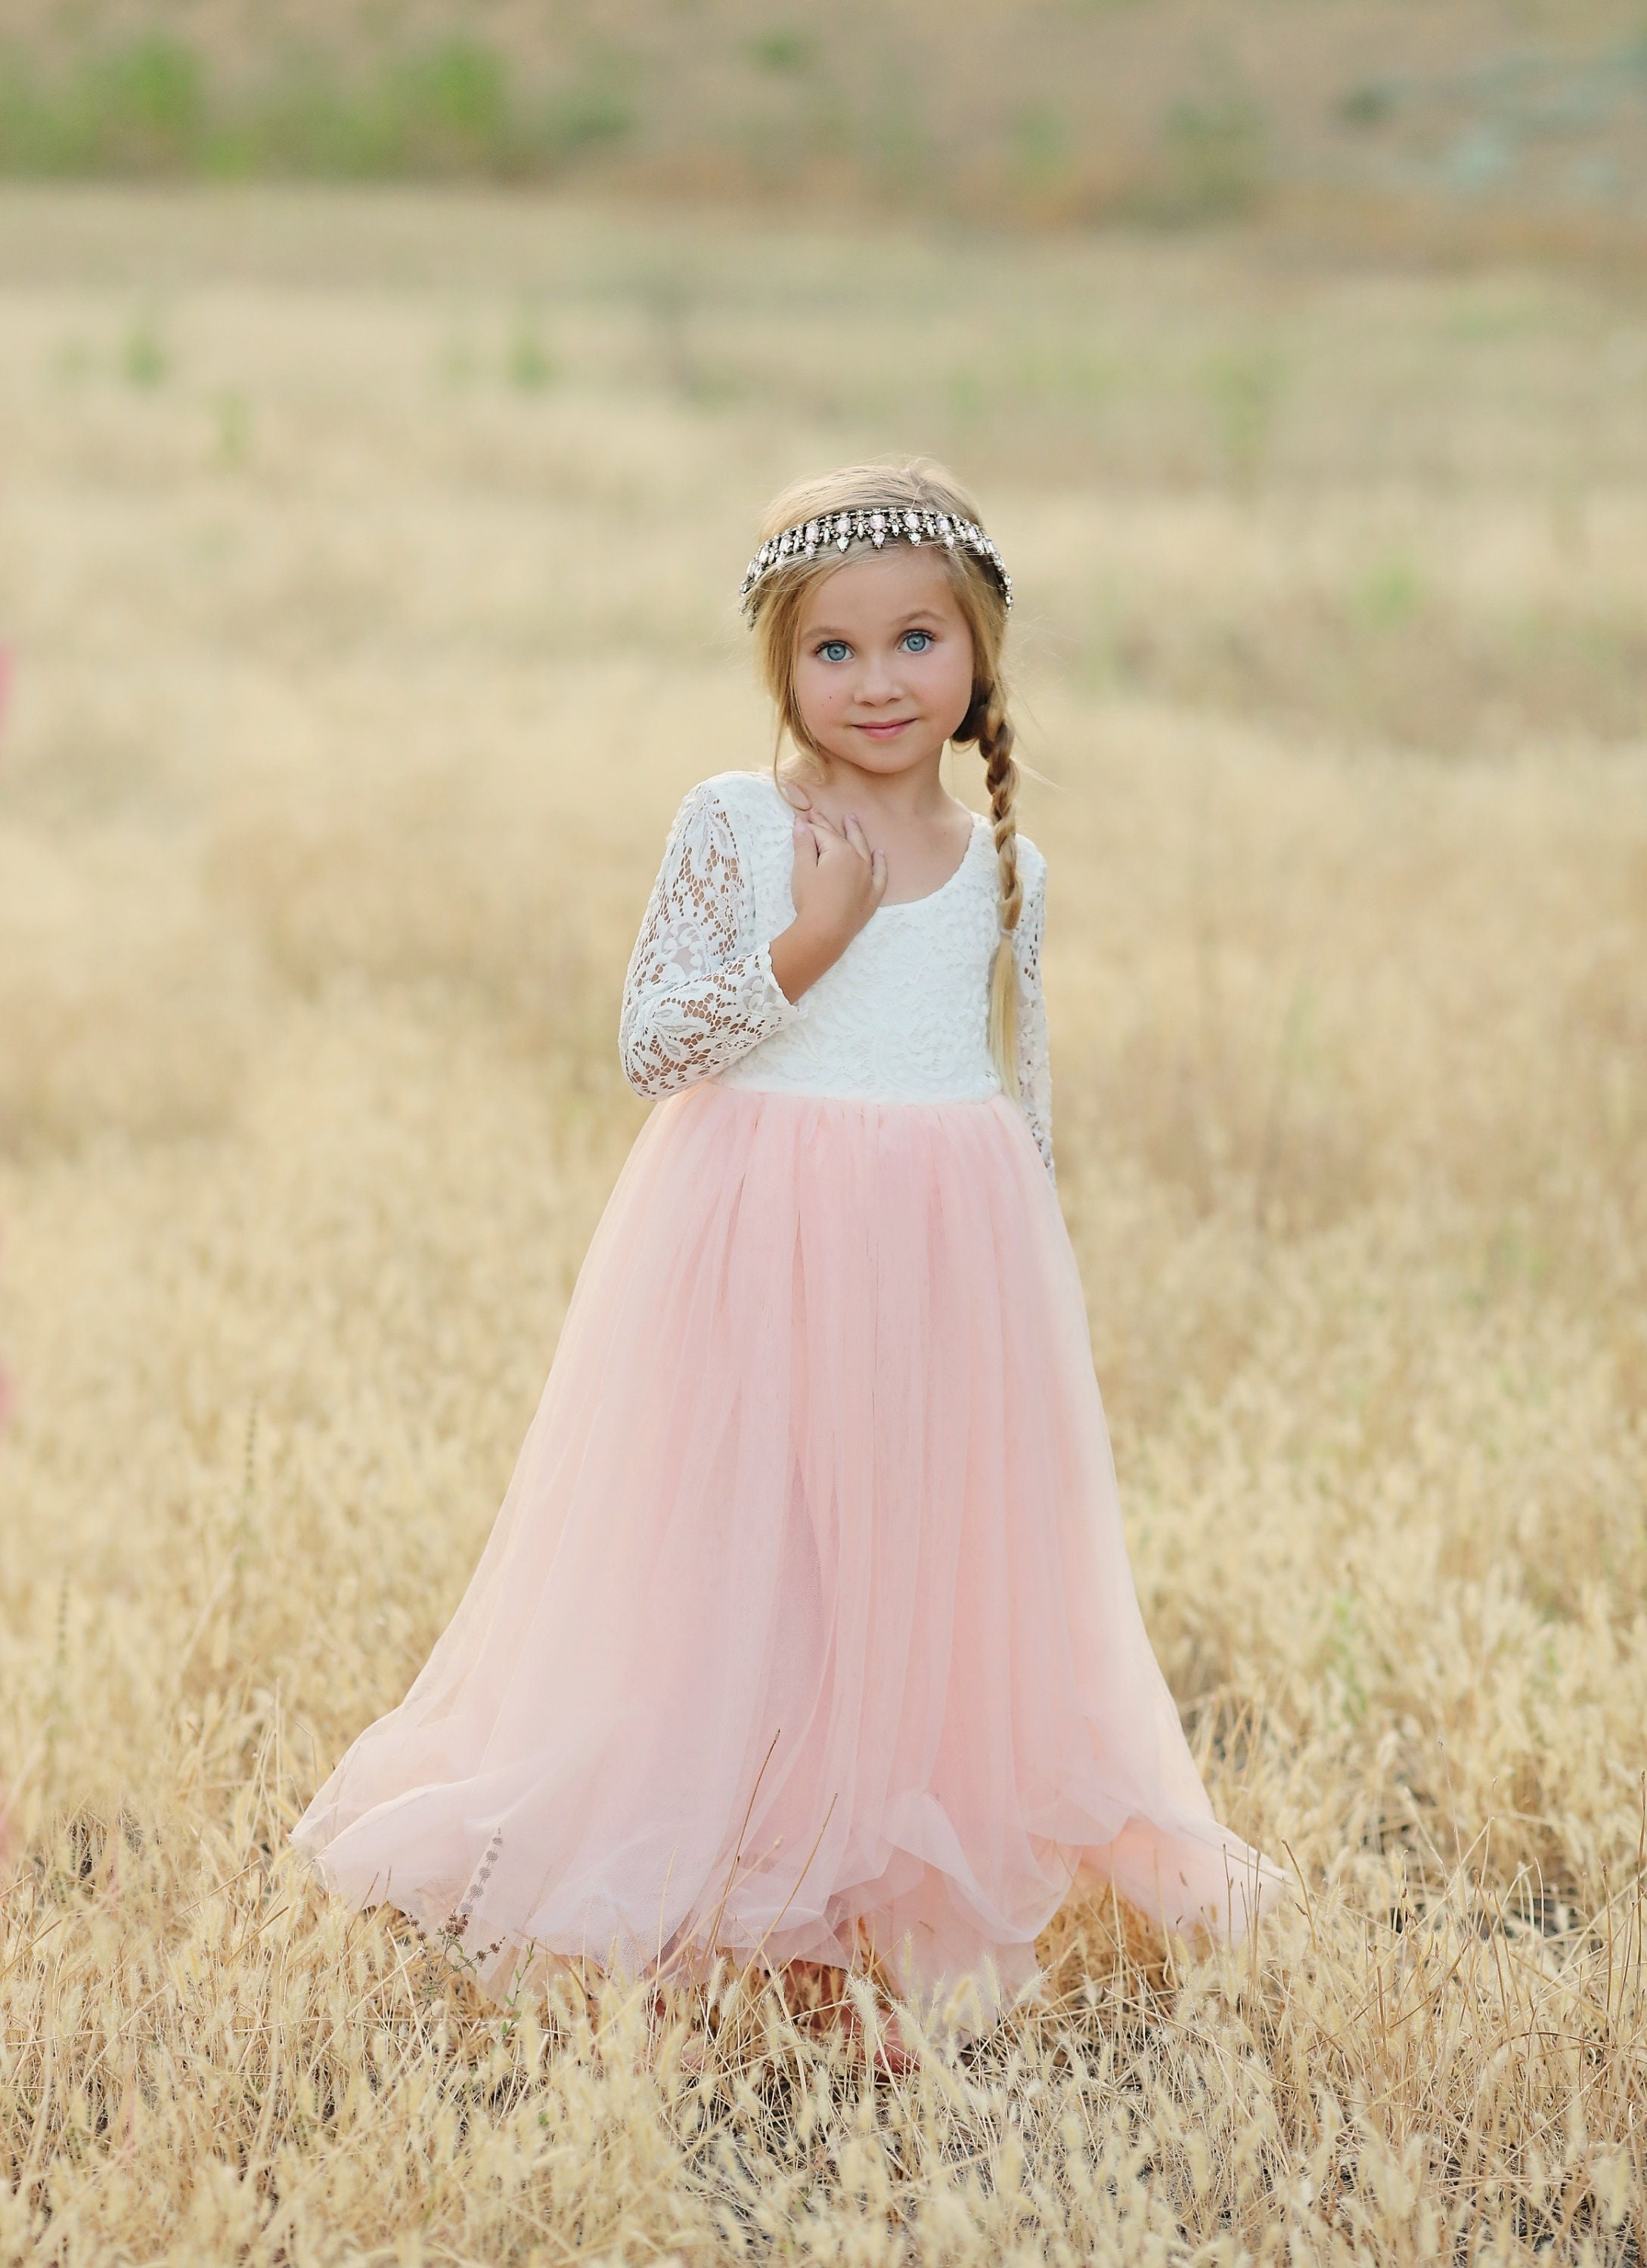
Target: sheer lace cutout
[{"x": 699, "y": 992}]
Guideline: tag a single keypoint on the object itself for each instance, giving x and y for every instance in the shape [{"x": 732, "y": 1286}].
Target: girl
[{"x": 806, "y": 1632}]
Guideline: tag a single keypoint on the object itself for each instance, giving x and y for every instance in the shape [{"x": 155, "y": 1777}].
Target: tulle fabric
[{"x": 806, "y": 1631}]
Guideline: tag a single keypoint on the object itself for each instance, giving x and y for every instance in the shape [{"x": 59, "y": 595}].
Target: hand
[
  {"x": 837, "y": 880},
  {"x": 837, "y": 883}
]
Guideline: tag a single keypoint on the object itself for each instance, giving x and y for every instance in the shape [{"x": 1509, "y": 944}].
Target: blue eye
[
  {"x": 918, "y": 641},
  {"x": 834, "y": 650}
]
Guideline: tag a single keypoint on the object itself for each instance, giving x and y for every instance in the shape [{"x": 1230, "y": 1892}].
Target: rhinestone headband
[{"x": 892, "y": 524}]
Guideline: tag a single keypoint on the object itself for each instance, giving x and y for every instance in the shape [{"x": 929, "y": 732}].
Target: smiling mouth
[{"x": 884, "y": 730}]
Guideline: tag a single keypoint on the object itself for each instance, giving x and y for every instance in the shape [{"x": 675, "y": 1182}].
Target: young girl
[{"x": 805, "y": 1633}]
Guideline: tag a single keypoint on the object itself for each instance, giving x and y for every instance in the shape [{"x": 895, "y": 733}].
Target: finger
[
  {"x": 806, "y": 843},
  {"x": 825, "y": 825},
  {"x": 877, "y": 874},
  {"x": 856, "y": 836}
]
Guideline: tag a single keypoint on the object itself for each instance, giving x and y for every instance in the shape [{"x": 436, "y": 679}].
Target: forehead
[{"x": 875, "y": 587}]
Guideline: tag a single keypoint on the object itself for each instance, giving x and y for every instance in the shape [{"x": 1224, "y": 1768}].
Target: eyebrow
[{"x": 901, "y": 621}]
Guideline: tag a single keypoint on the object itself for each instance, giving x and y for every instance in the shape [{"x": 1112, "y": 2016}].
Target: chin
[{"x": 899, "y": 755}]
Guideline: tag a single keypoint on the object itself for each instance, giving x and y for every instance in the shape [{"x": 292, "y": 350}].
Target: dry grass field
[
  {"x": 1482, "y": 121},
  {"x": 367, "y": 582}
]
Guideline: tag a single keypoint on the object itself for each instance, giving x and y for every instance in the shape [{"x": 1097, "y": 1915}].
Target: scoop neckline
[{"x": 907, "y": 905}]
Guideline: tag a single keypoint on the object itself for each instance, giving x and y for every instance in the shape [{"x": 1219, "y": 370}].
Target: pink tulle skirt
[{"x": 806, "y": 1631}]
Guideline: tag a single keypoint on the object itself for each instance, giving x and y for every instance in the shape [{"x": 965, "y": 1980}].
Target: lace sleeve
[
  {"x": 1035, "y": 1071},
  {"x": 698, "y": 993}
]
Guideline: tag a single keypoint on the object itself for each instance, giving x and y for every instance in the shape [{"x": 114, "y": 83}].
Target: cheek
[
  {"x": 818, "y": 689},
  {"x": 955, "y": 694}
]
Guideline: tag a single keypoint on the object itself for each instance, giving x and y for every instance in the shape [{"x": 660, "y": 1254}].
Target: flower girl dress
[{"x": 806, "y": 1632}]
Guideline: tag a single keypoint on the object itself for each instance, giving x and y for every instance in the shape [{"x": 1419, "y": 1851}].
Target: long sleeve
[
  {"x": 1035, "y": 1071},
  {"x": 699, "y": 992}
]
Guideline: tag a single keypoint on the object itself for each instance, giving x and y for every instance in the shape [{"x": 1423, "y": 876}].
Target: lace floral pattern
[
  {"x": 700, "y": 991},
  {"x": 1035, "y": 1068},
  {"x": 901, "y": 1017}
]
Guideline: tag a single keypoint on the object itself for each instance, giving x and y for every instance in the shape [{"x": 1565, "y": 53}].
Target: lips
[{"x": 885, "y": 731}]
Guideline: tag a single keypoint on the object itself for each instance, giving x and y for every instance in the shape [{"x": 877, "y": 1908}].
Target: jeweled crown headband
[{"x": 890, "y": 524}]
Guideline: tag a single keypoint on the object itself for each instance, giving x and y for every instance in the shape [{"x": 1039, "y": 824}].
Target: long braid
[{"x": 995, "y": 737}]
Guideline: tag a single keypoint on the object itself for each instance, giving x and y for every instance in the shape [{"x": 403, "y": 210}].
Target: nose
[{"x": 877, "y": 681}]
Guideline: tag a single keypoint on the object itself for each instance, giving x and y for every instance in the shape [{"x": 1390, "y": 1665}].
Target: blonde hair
[{"x": 914, "y": 484}]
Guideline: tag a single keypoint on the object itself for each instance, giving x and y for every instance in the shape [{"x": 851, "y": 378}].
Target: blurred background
[
  {"x": 387, "y": 395},
  {"x": 1052, "y": 113}
]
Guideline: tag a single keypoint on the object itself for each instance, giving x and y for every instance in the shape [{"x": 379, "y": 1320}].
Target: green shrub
[
  {"x": 1214, "y": 153},
  {"x": 444, "y": 110},
  {"x": 781, "y": 50},
  {"x": 138, "y": 108},
  {"x": 595, "y": 109}
]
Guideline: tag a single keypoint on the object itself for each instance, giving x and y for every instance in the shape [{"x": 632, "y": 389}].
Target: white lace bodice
[{"x": 903, "y": 1016}]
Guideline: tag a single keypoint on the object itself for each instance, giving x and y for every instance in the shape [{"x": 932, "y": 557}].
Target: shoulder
[
  {"x": 734, "y": 827},
  {"x": 744, "y": 799},
  {"x": 738, "y": 816},
  {"x": 747, "y": 798}
]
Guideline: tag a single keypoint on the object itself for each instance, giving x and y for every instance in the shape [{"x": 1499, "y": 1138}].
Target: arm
[
  {"x": 1035, "y": 1072},
  {"x": 700, "y": 993}
]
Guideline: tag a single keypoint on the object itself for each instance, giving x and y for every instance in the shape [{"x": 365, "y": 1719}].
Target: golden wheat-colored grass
[{"x": 365, "y": 570}]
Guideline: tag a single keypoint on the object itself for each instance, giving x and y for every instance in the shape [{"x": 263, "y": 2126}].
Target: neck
[{"x": 915, "y": 793}]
